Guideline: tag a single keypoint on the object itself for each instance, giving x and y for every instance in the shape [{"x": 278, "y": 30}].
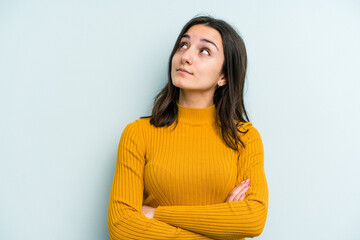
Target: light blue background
[{"x": 74, "y": 73}]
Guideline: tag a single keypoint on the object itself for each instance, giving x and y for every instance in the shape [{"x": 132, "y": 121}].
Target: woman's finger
[
  {"x": 242, "y": 192},
  {"x": 234, "y": 192},
  {"x": 242, "y": 197},
  {"x": 237, "y": 190}
]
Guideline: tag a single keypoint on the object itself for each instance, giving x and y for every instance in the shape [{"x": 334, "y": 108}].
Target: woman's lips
[{"x": 181, "y": 70}]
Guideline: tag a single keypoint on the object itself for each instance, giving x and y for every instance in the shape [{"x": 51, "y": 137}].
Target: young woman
[{"x": 185, "y": 171}]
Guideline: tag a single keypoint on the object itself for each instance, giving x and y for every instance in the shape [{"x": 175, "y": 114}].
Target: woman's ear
[{"x": 222, "y": 81}]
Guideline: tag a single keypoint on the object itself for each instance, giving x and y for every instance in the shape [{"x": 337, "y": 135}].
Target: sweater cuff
[{"x": 159, "y": 213}]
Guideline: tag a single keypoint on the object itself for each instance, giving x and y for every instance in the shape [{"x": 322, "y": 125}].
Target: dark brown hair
[{"x": 228, "y": 99}]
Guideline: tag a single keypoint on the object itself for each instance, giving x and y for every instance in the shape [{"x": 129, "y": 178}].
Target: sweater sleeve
[
  {"x": 235, "y": 219},
  {"x": 125, "y": 218}
]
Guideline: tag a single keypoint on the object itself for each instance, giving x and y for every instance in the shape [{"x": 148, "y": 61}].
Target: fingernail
[
  {"x": 242, "y": 181},
  {"x": 248, "y": 185},
  {"x": 248, "y": 180}
]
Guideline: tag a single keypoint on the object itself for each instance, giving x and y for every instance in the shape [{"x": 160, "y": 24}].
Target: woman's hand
[
  {"x": 148, "y": 211},
  {"x": 238, "y": 193}
]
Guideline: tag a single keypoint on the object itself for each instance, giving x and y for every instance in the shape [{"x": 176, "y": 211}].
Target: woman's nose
[{"x": 187, "y": 57}]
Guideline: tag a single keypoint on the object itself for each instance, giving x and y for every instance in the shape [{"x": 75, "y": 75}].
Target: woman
[{"x": 184, "y": 171}]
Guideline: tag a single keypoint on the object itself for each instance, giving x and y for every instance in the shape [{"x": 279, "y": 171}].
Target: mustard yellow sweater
[{"x": 186, "y": 173}]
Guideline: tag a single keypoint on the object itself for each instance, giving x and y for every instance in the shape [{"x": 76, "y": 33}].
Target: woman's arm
[
  {"x": 235, "y": 218},
  {"x": 125, "y": 218}
]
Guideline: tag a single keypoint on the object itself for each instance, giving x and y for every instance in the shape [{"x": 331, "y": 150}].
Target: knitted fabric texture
[{"x": 186, "y": 172}]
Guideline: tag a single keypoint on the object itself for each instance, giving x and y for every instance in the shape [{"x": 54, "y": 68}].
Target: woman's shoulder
[
  {"x": 143, "y": 122},
  {"x": 136, "y": 129},
  {"x": 248, "y": 131},
  {"x": 243, "y": 126},
  {"x": 140, "y": 125}
]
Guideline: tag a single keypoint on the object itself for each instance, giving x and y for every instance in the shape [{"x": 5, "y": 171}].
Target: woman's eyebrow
[{"x": 203, "y": 39}]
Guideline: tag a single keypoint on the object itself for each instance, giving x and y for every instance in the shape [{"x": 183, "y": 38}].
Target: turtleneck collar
[{"x": 196, "y": 115}]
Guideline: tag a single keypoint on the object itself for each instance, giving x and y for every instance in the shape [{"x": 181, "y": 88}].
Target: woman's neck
[{"x": 195, "y": 99}]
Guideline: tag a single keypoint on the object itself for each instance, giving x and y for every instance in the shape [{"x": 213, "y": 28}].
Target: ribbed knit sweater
[{"x": 186, "y": 172}]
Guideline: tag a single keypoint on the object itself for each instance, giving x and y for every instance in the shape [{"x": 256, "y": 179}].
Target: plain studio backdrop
[{"x": 74, "y": 73}]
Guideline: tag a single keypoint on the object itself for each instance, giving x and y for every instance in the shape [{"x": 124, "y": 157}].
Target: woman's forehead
[{"x": 202, "y": 31}]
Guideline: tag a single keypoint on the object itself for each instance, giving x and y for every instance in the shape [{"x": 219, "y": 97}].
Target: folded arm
[{"x": 237, "y": 219}]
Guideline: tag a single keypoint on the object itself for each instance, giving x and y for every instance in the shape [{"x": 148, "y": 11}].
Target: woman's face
[{"x": 198, "y": 62}]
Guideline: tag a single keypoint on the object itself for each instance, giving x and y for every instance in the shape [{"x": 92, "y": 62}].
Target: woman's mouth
[{"x": 182, "y": 70}]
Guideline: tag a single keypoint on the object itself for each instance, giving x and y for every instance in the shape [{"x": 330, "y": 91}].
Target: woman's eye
[
  {"x": 183, "y": 44},
  {"x": 205, "y": 51}
]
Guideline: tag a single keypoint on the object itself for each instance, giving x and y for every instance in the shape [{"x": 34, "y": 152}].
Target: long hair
[{"x": 228, "y": 99}]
